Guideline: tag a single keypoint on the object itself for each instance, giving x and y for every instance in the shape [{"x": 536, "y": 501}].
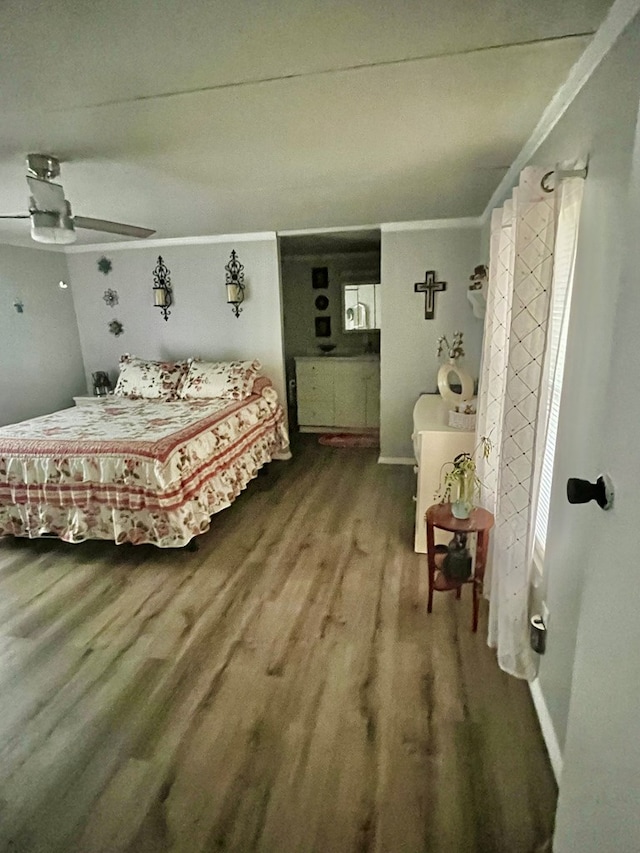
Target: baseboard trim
[
  {"x": 396, "y": 460},
  {"x": 546, "y": 725}
]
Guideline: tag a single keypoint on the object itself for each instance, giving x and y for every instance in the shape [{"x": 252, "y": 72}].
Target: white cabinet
[
  {"x": 314, "y": 383},
  {"x": 434, "y": 443},
  {"x": 338, "y": 392}
]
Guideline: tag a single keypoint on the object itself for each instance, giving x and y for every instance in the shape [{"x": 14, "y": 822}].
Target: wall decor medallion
[
  {"x": 322, "y": 302},
  {"x": 116, "y": 328},
  {"x": 111, "y": 297},
  {"x": 429, "y": 287},
  {"x": 104, "y": 265}
]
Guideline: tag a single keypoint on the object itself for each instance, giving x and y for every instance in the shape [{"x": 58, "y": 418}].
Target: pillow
[
  {"x": 150, "y": 380},
  {"x": 230, "y": 380}
]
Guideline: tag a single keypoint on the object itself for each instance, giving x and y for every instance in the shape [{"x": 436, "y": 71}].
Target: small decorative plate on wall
[
  {"x": 322, "y": 303},
  {"x": 111, "y": 297},
  {"x": 105, "y": 265}
]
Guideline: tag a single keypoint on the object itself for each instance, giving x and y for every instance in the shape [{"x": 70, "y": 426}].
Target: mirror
[{"x": 361, "y": 307}]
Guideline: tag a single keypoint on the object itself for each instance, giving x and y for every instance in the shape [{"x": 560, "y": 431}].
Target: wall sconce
[
  {"x": 162, "y": 293},
  {"x": 235, "y": 283}
]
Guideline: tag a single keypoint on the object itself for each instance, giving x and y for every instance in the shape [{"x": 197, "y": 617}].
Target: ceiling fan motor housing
[{"x": 43, "y": 166}]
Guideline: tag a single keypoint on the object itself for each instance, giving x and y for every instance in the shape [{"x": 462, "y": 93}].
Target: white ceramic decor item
[{"x": 460, "y": 377}]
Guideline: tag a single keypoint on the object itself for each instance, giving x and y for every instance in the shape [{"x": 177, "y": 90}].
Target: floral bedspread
[{"x": 135, "y": 470}]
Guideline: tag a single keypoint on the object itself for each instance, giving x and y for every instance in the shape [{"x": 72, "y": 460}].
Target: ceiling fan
[{"x": 50, "y": 212}]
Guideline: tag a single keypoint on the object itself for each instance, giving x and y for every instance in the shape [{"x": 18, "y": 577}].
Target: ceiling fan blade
[
  {"x": 111, "y": 227},
  {"x": 17, "y": 216}
]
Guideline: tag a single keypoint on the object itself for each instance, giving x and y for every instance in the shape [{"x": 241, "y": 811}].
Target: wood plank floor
[{"x": 280, "y": 690}]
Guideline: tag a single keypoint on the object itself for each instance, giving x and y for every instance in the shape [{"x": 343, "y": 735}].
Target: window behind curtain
[{"x": 563, "y": 268}]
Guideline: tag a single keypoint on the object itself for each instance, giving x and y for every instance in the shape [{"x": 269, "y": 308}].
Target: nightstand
[{"x": 480, "y": 522}]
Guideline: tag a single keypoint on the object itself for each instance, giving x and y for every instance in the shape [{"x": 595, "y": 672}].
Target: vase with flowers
[{"x": 459, "y": 483}]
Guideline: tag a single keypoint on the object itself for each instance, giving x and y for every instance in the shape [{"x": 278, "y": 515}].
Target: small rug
[{"x": 350, "y": 439}]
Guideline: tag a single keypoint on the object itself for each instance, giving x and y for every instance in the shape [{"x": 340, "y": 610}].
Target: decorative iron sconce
[
  {"x": 162, "y": 292},
  {"x": 235, "y": 283}
]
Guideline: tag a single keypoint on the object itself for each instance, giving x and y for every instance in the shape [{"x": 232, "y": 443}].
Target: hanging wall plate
[{"x": 104, "y": 265}]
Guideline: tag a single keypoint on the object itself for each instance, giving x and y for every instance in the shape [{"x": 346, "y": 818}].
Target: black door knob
[{"x": 582, "y": 491}]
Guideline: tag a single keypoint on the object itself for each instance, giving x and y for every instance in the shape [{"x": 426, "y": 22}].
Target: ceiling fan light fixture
[{"x": 53, "y": 227}]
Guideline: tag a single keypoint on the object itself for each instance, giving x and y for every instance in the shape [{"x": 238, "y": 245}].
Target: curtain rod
[{"x": 560, "y": 174}]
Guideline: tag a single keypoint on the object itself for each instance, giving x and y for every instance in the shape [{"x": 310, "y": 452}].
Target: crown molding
[
  {"x": 620, "y": 15},
  {"x": 32, "y": 244},
  {"x": 340, "y": 229},
  {"x": 432, "y": 224},
  {"x": 256, "y": 237}
]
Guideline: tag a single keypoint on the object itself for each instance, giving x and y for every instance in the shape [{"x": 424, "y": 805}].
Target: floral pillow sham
[
  {"x": 150, "y": 380},
  {"x": 230, "y": 380}
]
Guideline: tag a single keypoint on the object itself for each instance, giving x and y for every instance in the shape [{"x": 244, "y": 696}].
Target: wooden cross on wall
[{"x": 429, "y": 287}]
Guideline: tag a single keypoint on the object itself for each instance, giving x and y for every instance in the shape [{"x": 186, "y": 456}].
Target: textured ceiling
[{"x": 201, "y": 117}]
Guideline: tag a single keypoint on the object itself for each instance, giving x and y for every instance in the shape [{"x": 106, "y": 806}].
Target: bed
[{"x": 138, "y": 470}]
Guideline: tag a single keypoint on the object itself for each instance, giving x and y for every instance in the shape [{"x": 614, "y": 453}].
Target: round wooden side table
[{"x": 480, "y": 521}]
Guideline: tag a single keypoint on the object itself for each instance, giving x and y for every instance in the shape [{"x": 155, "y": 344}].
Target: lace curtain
[{"x": 512, "y": 406}]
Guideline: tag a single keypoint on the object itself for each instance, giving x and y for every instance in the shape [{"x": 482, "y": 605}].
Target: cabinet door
[
  {"x": 350, "y": 394},
  {"x": 314, "y": 380},
  {"x": 312, "y": 413}
]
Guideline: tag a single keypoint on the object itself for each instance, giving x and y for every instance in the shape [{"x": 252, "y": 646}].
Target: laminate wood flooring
[{"x": 282, "y": 689}]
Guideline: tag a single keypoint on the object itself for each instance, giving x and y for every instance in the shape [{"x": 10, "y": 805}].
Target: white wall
[
  {"x": 590, "y": 674},
  {"x": 201, "y": 322},
  {"x": 600, "y": 790},
  {"x": 600, "y": 123},
  {"x": 40, "y": 358},
  {"x": 409, "y": 364}
]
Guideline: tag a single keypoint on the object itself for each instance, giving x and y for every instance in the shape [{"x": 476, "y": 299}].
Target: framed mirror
[{"x": 361, "y": 307}]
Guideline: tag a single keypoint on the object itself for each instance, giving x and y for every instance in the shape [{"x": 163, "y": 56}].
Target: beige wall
[
  {"x": 40, "y": 358},
  {"x": 599, "y": 124},
  {"x": 590, "y": 673},
  {"x": 201, "y": 323},
  {"x": 409, "y": 364}
]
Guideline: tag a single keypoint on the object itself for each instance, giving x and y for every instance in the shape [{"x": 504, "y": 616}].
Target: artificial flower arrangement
[
  {"x": 455, "y": 349},
  {"x": 460, "y": 484}
]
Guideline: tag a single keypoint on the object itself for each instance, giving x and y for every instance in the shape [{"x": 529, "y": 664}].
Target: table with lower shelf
[{"x": 479, "y": 522}]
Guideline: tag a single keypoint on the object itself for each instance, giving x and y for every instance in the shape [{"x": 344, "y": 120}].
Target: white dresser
[
  {"x": 434, "y": 443},
  {"x": 335, "y": 392}
]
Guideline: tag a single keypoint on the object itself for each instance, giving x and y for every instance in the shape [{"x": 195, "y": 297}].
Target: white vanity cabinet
[
  {"x": 335, "y": 392},
  {"x": 434, "y": 443}
]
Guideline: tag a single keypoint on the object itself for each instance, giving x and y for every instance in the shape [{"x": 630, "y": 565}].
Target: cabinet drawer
[{"x": 317, "y": 391}]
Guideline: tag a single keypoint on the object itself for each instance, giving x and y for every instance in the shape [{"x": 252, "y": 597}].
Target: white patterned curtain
[{"x": 512, "y": 408}]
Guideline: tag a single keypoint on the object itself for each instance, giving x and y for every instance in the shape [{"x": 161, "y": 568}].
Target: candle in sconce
[
  {"x": 234, "y": 294},
  {"x": 160, "y": 296}
]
